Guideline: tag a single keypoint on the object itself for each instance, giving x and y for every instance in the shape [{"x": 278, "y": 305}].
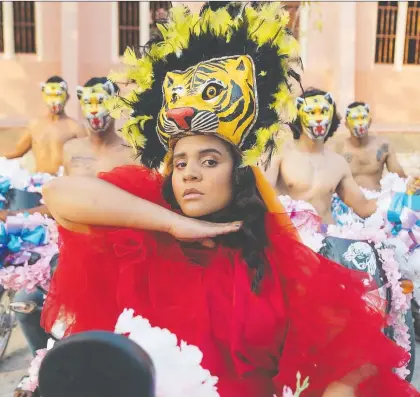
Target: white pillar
[
  {"x": 39, "y": 24},
  {"x": 114, "y": 33},
  {"x": 400, "y": 35},
  {"x": 8, "y": 35},
  {"x": 345, "y": 89},
  {"x": 70, "y": 53},
  {"x": 144, "y": 22},
  {"x": 303, "y": 31}
]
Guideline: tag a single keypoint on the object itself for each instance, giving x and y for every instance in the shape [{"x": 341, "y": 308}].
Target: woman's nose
[{"x": 192, "y": 173}]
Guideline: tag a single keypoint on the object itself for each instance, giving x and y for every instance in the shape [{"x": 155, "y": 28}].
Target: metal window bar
[
  {"x": 386, "y": 30},
  {"x": 128, "y": 25},
  {"x": 412, "y": 34},
  {"x": 24, "y": 27},
  {"x": 1, "y": 28}
]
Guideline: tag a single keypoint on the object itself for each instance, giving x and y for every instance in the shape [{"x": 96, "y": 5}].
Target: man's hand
[
  {"x": 3, "y": 215},
  {"x": 193, "y": 230},
  {"x": 413, "y": 185}
]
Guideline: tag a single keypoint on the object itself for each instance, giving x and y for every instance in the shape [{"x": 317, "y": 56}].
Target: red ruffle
[{"x": 310, "y": 315}]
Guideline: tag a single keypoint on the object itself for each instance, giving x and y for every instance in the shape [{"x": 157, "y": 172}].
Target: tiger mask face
[
  {"x": 358, "y": 120},
  {"x": 216, "y": 97},
  {"x": 316, "y": 114},
  {"x": 55, "y": 96},
  {"x": 92, "y": 101}
]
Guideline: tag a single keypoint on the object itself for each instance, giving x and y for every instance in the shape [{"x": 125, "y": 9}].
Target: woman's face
[{"x": 202, "y": 176}]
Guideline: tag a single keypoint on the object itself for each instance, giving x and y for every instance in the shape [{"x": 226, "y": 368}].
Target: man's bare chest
[
  {"x": 310, "y": 175},
  {"x": 89, "y": 163},
  {"x": 51, "y": 134},
  {"x": 367, "y": 160}
]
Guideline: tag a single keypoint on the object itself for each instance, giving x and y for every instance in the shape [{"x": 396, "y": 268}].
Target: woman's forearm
[{"x": 92, "y": 201}]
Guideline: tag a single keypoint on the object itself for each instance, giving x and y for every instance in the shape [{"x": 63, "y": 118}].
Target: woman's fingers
[
  {"x": 208, "y": 243},
  {"x": 226, "y": 228}
]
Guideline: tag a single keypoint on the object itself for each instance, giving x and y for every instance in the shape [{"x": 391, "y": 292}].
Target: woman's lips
[{"x": 192, "y": 194}]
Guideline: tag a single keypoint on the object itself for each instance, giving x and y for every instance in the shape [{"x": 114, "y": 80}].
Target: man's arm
[
  {"x": 349, "y": 191},
  {"x": 22, "y": 147},
  {"x": 392, "y": 162}
]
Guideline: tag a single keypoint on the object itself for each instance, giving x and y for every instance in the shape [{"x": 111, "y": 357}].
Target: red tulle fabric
[{"x": 309, "y": 316}]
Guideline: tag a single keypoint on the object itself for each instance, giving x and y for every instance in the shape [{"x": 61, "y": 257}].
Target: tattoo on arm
[
  {"x": 348, "y": 157},
  {"x": 383, "y": 149}
]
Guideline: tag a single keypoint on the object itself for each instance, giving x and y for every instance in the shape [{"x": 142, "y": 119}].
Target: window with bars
[
  {"x": 24, "y": 27},
  {"x": 1, "y": 28},
  {"x": 128, "y": 25},
  {"x": 129, "y": 21},
  {"x": 412, "y": 34},
  {"x": 386, "y": 29}
]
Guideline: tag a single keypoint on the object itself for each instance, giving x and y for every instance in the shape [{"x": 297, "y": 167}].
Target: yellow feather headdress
[{"x": 226, "y": 71}]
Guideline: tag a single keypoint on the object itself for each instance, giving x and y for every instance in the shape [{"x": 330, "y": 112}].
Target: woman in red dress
[{"x": 204, "y": 250}]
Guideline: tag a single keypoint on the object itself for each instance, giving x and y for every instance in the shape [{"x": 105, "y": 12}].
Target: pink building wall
[{"x": 340, "y": 58}]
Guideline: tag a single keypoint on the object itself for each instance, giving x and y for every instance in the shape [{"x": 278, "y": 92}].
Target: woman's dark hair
[
  {"x": 246, "y": 206},
  {"x": 335, "y": 123}
]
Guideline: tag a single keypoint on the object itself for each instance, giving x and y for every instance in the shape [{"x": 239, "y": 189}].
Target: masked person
[
  {"x": 100, "y": 151},
  {"x": 47, "y": 135},
  {"x": 205, "y": 250},
  {"x": 307, "y": 170},
  {"x": 366, "y": 155}
]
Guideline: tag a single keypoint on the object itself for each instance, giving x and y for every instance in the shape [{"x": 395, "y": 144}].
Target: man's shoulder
[
  {"x": 75, "y": 143},
  {"x": 35, "y": 123}
]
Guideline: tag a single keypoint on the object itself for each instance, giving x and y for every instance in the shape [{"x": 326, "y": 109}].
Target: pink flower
[{"x": 287, "y": 392}]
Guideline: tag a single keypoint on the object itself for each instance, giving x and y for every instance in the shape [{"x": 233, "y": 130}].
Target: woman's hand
[{"x": 193, "y": 230}]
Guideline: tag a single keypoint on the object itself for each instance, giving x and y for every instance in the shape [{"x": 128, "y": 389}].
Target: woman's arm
[
  {"x": 92, "y": 201},
  {"x": 77, "y": 202}
]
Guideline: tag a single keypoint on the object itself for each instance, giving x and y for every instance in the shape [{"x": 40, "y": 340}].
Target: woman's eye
[
  {"x": 210, "y": 162},
  {"x": 181, "y": 164}
]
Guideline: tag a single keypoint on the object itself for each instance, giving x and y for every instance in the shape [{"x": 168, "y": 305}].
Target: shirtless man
[
  {"x": 47, "y": 135},
  {"x": 366, "y": 155},
  {"x": 306, "y": 170},
  {"x": 101, "y": 151}
]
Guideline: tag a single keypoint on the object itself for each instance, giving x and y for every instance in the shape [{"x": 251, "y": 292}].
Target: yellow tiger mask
[
  {"x": 358, "y": 120},
  {"x": 316, "y": 114},
  {"x": 93, "y": 108},
  {"x": 55, "y": 96},
  {"x": 213, "y": 97}
]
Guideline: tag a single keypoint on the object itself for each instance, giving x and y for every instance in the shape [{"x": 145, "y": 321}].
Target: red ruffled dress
[{"x": 309, "y": 315}]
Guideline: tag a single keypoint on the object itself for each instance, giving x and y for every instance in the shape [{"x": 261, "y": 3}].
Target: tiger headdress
[
  {"x": 213, "y": 97},
  {"x": 226, "y": 71}
]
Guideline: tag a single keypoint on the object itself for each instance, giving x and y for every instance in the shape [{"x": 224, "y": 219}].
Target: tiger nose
[{"x": 181, "y": 116}]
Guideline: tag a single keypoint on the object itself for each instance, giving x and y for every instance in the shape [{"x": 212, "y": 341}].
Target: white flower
[{"x": 177, "y": 364}]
